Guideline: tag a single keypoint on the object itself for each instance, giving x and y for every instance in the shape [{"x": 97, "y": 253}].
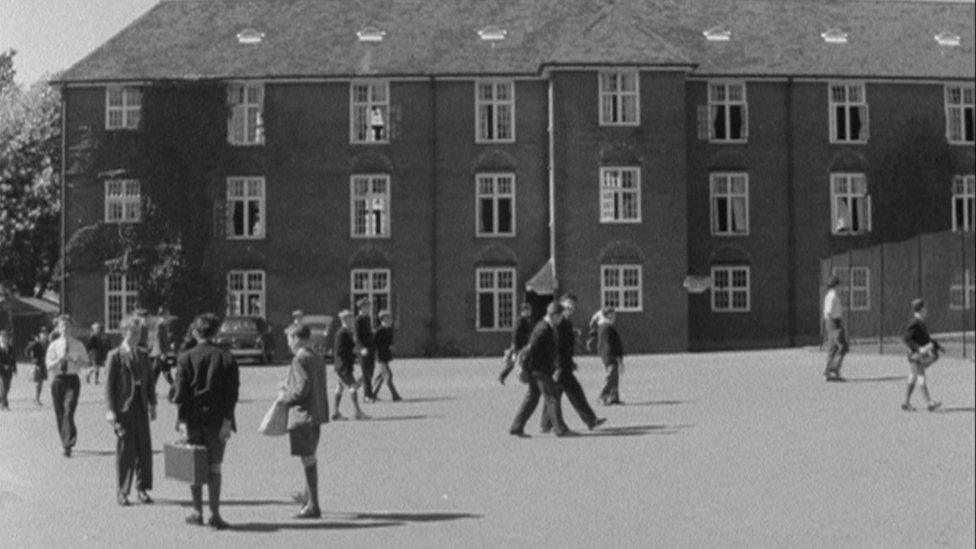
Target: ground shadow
[
  {"x": 101, "y": 453},
  {"x": 429, "y": 399},
  {"x": 413, "y": 517},
  {"x": 659, "y": 402},
  {"x": 636, "y": 430},
  {"x": 400, "y": 418},
  {"x": 875, "y": 379},
  {"x": 230, "y": 502},
  {"x": 269, "y": 527},
  {"x": 957, "y": 409}
]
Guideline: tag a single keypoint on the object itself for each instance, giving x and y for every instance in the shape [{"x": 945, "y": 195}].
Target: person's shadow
[
  {"x": 354, "y": 520},
  {"x": 957, "y": 410}
]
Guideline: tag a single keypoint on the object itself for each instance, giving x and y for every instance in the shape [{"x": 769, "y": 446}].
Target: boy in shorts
[
  {"x": 345, "y": 359},
  {"x": 923, "y": 351}
]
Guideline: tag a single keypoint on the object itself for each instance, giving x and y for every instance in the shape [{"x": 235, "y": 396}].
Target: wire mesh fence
[{"x": 879, "y": 282}]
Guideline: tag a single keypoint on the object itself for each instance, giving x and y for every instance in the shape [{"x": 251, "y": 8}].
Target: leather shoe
[
  {"x": 144, "y": 497},
  {"x": 567, "y": 433},
  {"x": 309, "y": 513},
  {"x": 597, "y": 422},
  {"x": 195, "y": 519},
  {"x": 123, "y": 500},
  {"x": 520, "y": 434},
  {"x": 217, "y": 523}
]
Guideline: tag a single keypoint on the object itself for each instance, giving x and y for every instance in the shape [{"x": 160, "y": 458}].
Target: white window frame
[
  {"x": 620, "y": 289},
  {"x": 124, "y": 288},
  {"x": 252, "y": 190},
  {"x": 245, "y": 101},
  {"x": 503, "y": 295},
  {"x": 496, "y": 194},
  {"x": 374, "y": 284},
  {"x": 253, "y": 283},
  {"x": 364, "y": 109},
  {"x": 370, "y": 198},
  {"x": 731, "y": 290},
  {"x": 852, "y": 187},
  {"x": 961, "y": 291},
  {"x": 963, "y": 187},
  {"x": 727, "y": 94},
  {"x": 612, "y": 96},
  {"x": 959, "y": 102},
  {"x": 613, "y": 191},
  {"x": 488, "y": 111},
  {"x": 129, "y": 110},
  {"x": 854, "y": 289},
  {"x": 859, "y": 103},
  {"x": 123, "y": 201},
  {"x": 722, "y": 185}
]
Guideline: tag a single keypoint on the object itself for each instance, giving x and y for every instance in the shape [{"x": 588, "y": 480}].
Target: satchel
[
  {"x": 275, "y": 422},
  {"x": 523, "y": 372},
  {"x": 186, "y": 463}
]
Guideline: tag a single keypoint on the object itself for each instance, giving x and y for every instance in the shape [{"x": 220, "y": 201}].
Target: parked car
[
  {"x": 247, "y": 337},
  {"x": 322, "y": 334}
]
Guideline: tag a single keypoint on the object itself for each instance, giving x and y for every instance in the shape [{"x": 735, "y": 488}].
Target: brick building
[{"x": 439, "y": 155}]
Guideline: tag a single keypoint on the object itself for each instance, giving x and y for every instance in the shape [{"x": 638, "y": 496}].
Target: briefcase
[{"x": 186, "y": 463}]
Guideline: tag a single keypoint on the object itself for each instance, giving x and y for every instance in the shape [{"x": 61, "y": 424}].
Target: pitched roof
[{"x": 197, "y": 39}]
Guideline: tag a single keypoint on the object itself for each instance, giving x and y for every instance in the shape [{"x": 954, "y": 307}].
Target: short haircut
[
  {"x": 62, "y": 318},
  {"x": 206, "y": 325},
  {"x": 363, "y": 302},
  {"x": 301, "y": 331},
  {"x": 525, "y": 306},
  {"x": 385, "y": 314},
  {"x": 345, "y": 313},
  {"x": 918, "y": 304},
  {"x": 43, "y": 330},
  {"x": 554, "y": 308},
  {"x": 608, "y": 311},
  {"x": 568, "y": 297},
  {"x": 297, "y": 312},
  {"x": 833, "y": 281},
  {"x": 129, "y": 323},
  {"x": 4, "y": 333}
]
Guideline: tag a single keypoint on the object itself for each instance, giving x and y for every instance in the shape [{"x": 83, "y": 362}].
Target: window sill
[
  {"x": 714, "y": 141},
  {"x": 731, "y": 311},
  {"x": 122, "y": 221},
  {"x": 246, "y": 238},
  {"x": 620, "y": 124},
  {"x": 369, "y": 237},
  {"x": 258, "y": 144},
  {"x": 384, "y": 142},
  {"x": 495, "y": 235},
  {"x": 730, "y": 235},
  {"x": 494, "y": 141},
  {"x": 961, "y": 143},
  {"x": 620, "y": 221},
  {"x": 839, "y": 142}
]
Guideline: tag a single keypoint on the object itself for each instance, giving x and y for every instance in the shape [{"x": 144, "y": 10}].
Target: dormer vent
[
  {"x": 250, "y": 36},
  {"x": 492, "y": 33},
  {"x": 718, "y": 34},
  {"x": 834, "y": 36},
  {"x": 370, "y": 34},
  {"x": 947, "y": 38}
]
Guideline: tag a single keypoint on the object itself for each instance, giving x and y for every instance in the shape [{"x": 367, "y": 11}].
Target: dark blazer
[
  {"x": 383, "y": 339},
  {"x": 917, "y": 336},
  {"x": 566, "y": 341},
  {"x": 125, "y": 371},
  {"x": 98, "y": 347},
  {"x": 364, "y": 332},
  {"x": 207, "y": 385},
  {"x": 521, "y": 333},
  {"x": 610, "y": 348},
  {"x": 8, "y": 361},
  {"x": 305, "y": 392},
  {"x": 344, "y": 349},
  {"x": 37, "y": 352},
  {"x": 540, "y": 352}
]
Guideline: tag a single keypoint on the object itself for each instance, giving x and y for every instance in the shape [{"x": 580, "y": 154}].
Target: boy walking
[
  {"x": 345, "y": 357},
  {"x": 36, "y": 351},
  {"x": 383, "y": 340},
  {"x": 612, "y": 352},
  {"x": 923, "y": 351},
  {"x": 8, "y": 367},
  {"x": 363, "y": 334},
  {"x": 540, "y": 361},
  {"x": 98, "y": 346},
  {"x": 833, "y": 314},
  {"x": 520, "y": 337}
]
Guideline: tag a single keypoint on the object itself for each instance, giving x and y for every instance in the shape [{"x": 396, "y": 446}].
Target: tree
[{"x": 30, "y": 161}]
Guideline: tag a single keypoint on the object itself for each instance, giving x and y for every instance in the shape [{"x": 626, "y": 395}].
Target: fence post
[{"x": 881, "y": 301}]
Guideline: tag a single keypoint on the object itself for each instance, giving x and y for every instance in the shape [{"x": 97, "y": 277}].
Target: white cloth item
[
  {"x": 71, "y": 349},
  {"x": 832, "y": 308}
]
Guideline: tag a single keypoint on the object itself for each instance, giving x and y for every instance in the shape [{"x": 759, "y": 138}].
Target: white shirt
[
  {"x": 832, "y": 308},
  {"x": 70, "y": 348}
]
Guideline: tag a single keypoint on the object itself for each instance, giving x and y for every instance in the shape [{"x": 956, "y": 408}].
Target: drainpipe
[
  {"x": 63, "y": 286},
  {"x": 552, "y": 188},
  {"x": 791, "y": 219},
  {"x": 432, "y": 329}
]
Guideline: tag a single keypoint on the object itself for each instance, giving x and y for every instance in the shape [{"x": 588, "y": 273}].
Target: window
[
  {"x": 123, "y": 108},
  {"x": 727, "y": 112},
  {"x": 854, "y": 290},
  {"x": 496, "y": 298},
  {"x": 959, "y": 114},
  {"x": 495, "y": 112},
  {"x": 850, "y": 203},
  {"x": 848, "y": 114},
  {"x": 730, "y": 290},
  {"x": 123, "y": 201},
  {"x": 962, "y": 202},
  {"x": 121, "y": 292},
  {"x": 496, "y": 204},
  {"x": 245, "y": 293},
  {"x": 370, "y": 206},
  {"x": 620, "y": 287},
  {"x": 730, "y": 204},
  {"x": 373, "y": 284},
  {"x": 620, "y": 194},
  {"x": 961, "y": 290},
  {"x": 619, "y": 103},
  {"x": 245, "y": 207},
  {"x": 370, "y": 112},
  {"x": 246, "y": 123}
]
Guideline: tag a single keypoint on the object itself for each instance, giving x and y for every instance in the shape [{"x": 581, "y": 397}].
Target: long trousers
[
  {"x": 837, "y": 347},
  {"x": 5, "y": 389},
  {"x": 385, "y": 376},
  {"x": 569, "y": 385},
  {"x": 367, "y": 363},
  {"x": 133, "y": 449},
  {"x": 611, "y": 390},
  {"x": 65, "y": 389},
  {"x": 540, "y": 386}
]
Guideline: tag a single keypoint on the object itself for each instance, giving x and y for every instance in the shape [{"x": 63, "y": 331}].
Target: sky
[{"x": 52, "y": 35}]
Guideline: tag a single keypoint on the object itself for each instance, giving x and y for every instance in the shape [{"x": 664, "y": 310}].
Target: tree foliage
[{"x": 30, "y": 162}]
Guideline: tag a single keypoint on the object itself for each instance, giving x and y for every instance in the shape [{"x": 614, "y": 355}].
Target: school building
[{"x": 453, "y": 158}]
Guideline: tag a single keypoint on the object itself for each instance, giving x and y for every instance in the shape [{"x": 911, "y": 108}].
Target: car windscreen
[{"x": 238, "y": 325}]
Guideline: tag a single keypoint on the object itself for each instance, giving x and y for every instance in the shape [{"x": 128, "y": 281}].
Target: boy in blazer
[{"x": 540, "y": 361}]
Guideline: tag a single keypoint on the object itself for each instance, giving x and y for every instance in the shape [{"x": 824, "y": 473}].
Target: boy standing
[
  {"x": 36, "y": 351},
  {"x": 833, "y": 314},
  {"x": 345, "y": 357},
  {"x": 612, "y": 353},
  {"x": 383, "y": 340},
  {"x": 98, "y": 347},
  {"x": 8, "y": 367},
  {"x": 363, "y": 334},
  {"x": 923, "y": 351},
  {"x": 520, "y": 336}
]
